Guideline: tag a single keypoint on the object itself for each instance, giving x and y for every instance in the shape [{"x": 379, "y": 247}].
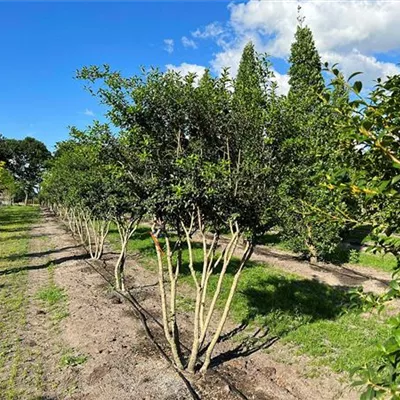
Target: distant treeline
[{"x": 22, "y": 163}]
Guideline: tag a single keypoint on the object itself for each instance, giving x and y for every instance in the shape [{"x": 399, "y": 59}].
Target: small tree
[
  {"x": 89, "y": 188},
  {"x": 75, "y": 188}
]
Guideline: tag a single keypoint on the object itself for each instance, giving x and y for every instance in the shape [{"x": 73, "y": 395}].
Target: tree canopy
[{"x": 26, "y": 160}]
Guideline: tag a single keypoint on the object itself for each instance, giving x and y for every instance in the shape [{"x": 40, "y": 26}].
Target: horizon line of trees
[{"x": 222, "y": 161}]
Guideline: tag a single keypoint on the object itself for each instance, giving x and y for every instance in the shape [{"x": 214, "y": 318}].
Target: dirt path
[
  {"x": 334, "y": 275},
  {"x": 341, "y": 276},
  {"x": 30, "y": 366},
  {"x": 44, "y": 348},
  {"x": 120, "y": 363}
]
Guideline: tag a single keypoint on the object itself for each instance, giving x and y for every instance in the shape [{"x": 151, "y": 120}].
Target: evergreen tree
[
  {"x": 248, "y": 98},
  {"x": 253, "y": 103},
  {"x": 309, "y": 153},
  {"x": 305, "y": 65}
]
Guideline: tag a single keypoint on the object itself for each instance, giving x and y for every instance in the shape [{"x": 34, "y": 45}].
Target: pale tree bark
[
  {"x": 169, "y": 274},
  {"x": 311, "y": 248},
  {"x": 207, "y": 358},
  {"x": 80, "y": 220},
  {"x": 209, "y": 265},
  {"x": 96, "y": 233},
  {"x": 169, "y": 319},
  {"x": 125, "y": 229}
]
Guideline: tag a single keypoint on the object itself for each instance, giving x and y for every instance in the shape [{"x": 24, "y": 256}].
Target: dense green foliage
[
  {"x": 203, "y": 156},
  {"x": 8, "y": 185},
  {"x": 309, "y": 153},
  {"x": 372, "y": 126},
  {"x": 25, "y": 160}
]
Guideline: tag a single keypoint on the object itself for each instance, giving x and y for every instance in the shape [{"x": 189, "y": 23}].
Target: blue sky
[{"x": 42, "y": 45}]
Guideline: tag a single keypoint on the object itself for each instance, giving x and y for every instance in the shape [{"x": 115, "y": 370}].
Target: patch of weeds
[
  {"x": 54, "y": 297},
  {"x": 72, "y": 360},
  {"x": 60, "y": 315},
  {"x": 11, "y": 392},
  {"x": 184, "y": 303},
  {"x": 108, "y": 289},
  {"x": 38, "y": 376},
  {"x": 313, "y": 372},
  {"x": 51, "y": 294},
  {"x": 354, "y": 256}
]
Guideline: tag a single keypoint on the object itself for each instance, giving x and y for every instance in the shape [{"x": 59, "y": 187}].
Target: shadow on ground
[{"x": 45, "y": 265}]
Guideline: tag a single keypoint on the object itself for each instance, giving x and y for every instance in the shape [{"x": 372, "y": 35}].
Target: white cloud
[
  {"x": 350, "y": 33},
  {"x": 228, "y": 58},
  {"x": 210, "y": 31},
  {"x": 354, "y": 34},
  {"x": 189, "y": 42},
  {"x": 185, "y": 68},
  {"x": 369, "y": 26},
  {"x": 169, "y": 45},
  {"x": 283, "y": 82},
  {"x": 89, "y": 113},
  {"x": 355, "y": 61}
]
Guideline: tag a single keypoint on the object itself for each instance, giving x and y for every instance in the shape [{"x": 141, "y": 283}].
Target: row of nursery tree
[{"x": 221, "y": 161}]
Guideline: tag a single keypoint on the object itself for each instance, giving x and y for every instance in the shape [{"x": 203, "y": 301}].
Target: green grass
[
  {"x": 54, "y": 298},
  {"x": 344, "y": 343},
  {"x": 15, "y": 222},
  {"x": 274, "y": 239},
  {"x": 51, "y": 294},
  {"x": 72, "y": 360},
  {"x": 313, "y": 316},
  {"x": 22, "y": 373},
  {"x": 386, "y": 262},
  {"x": 343, "y": 254},
  {"x": 184, "y": 303}
]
